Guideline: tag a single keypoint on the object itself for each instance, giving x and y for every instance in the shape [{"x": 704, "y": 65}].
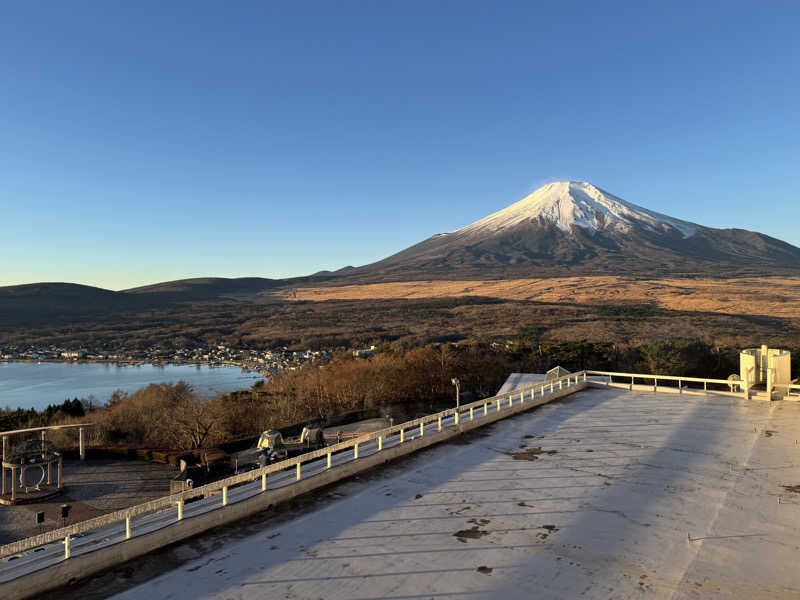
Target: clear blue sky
[{"x": 148, "y": 141}]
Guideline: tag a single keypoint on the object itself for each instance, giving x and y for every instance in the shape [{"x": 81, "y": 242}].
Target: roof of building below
[{"x": 519, "y": 381}]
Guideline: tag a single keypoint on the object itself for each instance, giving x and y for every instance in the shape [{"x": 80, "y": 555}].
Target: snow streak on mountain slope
[{"x": 568, "y": 204}]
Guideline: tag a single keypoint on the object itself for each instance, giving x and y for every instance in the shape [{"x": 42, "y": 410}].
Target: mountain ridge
[
  {"x": 576, "y": 227},
  {"x": 563, "y": 228}
]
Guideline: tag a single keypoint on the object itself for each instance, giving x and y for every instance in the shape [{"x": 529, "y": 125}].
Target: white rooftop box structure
[{"x": 768, "y": 367}]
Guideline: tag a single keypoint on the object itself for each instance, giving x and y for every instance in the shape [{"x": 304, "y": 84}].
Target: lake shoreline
[
  {"x": 35, "y": 384},
  {"x": 133, "y": 363}
]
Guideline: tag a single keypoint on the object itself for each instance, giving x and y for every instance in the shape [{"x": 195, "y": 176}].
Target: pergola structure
[{"x": 33, "y": 454}]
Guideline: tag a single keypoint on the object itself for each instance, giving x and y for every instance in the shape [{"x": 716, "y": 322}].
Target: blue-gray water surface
[{"x": 35, "y": 385}]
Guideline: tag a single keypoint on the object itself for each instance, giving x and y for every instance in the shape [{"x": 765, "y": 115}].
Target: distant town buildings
[{"x": 264, "y": 361}]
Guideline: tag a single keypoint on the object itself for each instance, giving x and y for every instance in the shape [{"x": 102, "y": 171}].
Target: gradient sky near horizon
[{"x": 149, "y": 141}]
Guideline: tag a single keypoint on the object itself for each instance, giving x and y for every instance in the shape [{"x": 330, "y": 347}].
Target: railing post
[
  {"x": 66, "y": 547},
  {"x": 402, "y": 435},
  {"x": 355, "y": 453},
  {"x": 655, "y": 384},
  {"x": 180, "y": 510},
  {"x": 680, "y": 387},
  {"x": 298, "y": 472},
  {"x": 471, "y": 415},
  {"x": 264, "y": 481},
  {"x": 380, "y": 443},
  {"x": 631, "y": 383},
  {"x": 440, "y": 422},
  {"x": 81, "y": 444},
  {"x": 551, "y": 388},
  {"x": 128, "y": 527},
  {"x": 584, "y": 377},
  {"x": 455, "y": 417},
  {"x": 498, "y": 405},
  {"x": 485, "y": 408},
  {"x": 225, "y": 496},
  {"x": 329, "y": 460},
  {"x": 510, "y": 400},
  {"x": 421, "y": 429},
  {"x": 522, "y": 397}
]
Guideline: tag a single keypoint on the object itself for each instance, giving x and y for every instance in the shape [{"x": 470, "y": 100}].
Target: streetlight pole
[{"x": 457, "y": 383}]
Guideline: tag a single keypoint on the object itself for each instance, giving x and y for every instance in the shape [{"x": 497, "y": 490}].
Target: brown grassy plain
[{"x": 769, "y": 296}]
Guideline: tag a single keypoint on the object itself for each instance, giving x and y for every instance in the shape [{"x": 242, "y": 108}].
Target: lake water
[{"x": 35, "y": 385}]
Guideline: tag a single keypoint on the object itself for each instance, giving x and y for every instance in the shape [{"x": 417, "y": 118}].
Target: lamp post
[{"x": 457, "y": 383}]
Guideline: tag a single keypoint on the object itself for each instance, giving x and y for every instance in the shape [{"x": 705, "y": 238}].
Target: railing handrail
[
  {"x": 740, "y": 382},
  {"x": 170, "y": 501},
  {"x": 45, "y": 428}
]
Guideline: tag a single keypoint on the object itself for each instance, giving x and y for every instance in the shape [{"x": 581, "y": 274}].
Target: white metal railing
[
  {"x": 789, "y": 387},
  {"x": 482, "y": 408},
  {"x": 731, "y": 384}
]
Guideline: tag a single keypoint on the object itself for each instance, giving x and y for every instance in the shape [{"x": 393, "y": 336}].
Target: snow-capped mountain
[
  {"x": 572, "y": 227},
  {"x": 568, "y": 204}
]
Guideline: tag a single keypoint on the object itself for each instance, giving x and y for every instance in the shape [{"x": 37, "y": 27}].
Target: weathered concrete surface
[
  {"x": 83, "y": 565},
  {"x": 610, "y": 494}
]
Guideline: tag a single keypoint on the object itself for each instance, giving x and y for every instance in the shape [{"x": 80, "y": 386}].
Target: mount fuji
[{"x": 574, "y": 227}]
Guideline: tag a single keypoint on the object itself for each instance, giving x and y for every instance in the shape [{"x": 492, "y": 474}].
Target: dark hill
[
  {"x": 48, "y": 303},
  {"x": 209, "y": 287}
]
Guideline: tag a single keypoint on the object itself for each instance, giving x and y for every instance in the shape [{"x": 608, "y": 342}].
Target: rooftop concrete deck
[{"x": 635, "y": 494}]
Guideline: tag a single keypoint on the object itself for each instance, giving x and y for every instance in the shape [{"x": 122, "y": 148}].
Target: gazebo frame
[{"x": 48, "y": 461}]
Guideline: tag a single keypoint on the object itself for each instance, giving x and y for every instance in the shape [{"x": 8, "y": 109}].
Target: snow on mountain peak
[{"x": 568, "y": 204}]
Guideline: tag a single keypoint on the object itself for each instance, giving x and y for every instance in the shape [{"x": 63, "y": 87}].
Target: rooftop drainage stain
[
  {"x": 473, "y": 533},
  {"x": 531, "y": 453},
  {"x": 550, "y": 529}
]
